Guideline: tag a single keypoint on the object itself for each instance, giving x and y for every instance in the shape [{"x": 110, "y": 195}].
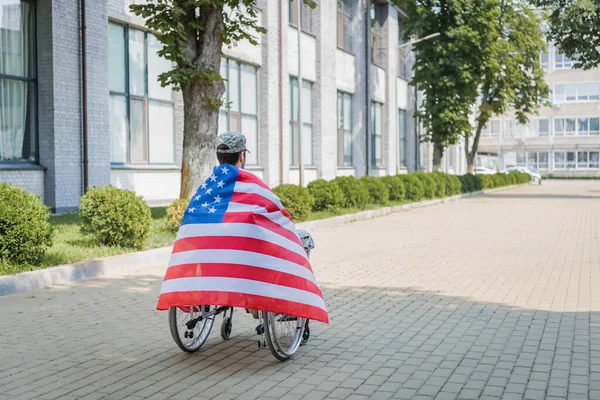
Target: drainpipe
[
  {"x": 84, "y": 95},
  {"x": 367, "y": 83},
  {"x": 281, "y": 27}
]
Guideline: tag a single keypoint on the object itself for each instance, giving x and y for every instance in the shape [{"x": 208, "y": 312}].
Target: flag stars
[
  {"x": 221, "y": 185},
  {"x": 225, "y": 170},
  {"x": 218, "y": 199},
  {"x": 213, "y": 178},
  {"x": 191, "y": 210},
  {"x": 203, "y": 186},
  {"x": 212, "y": 210},
  {"x": 208, "y": 191},
  {"x": 197, "y": 197},
  {"x": 205, "y": 205}
]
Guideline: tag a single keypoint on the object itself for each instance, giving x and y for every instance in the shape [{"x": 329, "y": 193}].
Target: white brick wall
[{"x": 30, "y": 180}]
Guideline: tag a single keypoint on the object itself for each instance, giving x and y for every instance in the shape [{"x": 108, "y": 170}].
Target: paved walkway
[{"x": 491, "y": 297}]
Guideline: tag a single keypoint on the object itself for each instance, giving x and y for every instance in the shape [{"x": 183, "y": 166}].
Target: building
[
  {"x": 357, "y": 106},
  {"x": 564, "y": 139}
]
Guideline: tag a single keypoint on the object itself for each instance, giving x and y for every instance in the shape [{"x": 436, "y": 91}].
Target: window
[
  {"x": 559, "y": 160},
  {"x": 402, "y": 128},
  {"x": 583, "y": 126},
  {"x": 570, "y": 160},
  {"x": 513, "y": 129},
  {"x": 582, "y": 92},
  {"x": 544, "y": 59},
  {"x": 306, "y": 17},
  {"x": 344, "y": 25},
  {"x": 344, "y": 129},
  {"x": 306, "y": 122},
  {"x": 378, "y": 51},
  {"x": 141, "y": 110},
  {"x": 565, "y": 126},
  {"x": 18, "y": 139},
  {"x": 401, "y": 53},
  {"x": 561, "y": 61},
  {"x": 541, "y": 127},
  {"x": 521, "y": 159},
  {"x": 376, "y": 138},
  {"x": 492, "y": 129},
  {"x": 537, "y": 161},
  {"x": 594, "y": 159},
  {"x": 241, "y": 95}
]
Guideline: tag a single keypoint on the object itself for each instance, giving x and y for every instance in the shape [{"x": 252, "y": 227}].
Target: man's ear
[{"x": 242, "y": 157}]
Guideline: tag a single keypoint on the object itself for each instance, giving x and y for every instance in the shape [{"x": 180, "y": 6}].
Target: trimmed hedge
[
  {"x": 297, "y": 200},
  {"x": 414, "y": 187},
  {"x": 395, "y": 186},
  {"x": 356, "y": 193},
  {"x": 327, "y": 195},
  {"x": 116, "y": 217},
  {"x": 25, "y": 231},
  {"x": 430, "y": 188},
  {"x": 378, "y": 191},
  {"x": 175, "y": 214}
]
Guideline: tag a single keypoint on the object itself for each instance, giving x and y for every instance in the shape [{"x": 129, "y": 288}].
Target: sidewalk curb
[{"x": 119, "y": 265}]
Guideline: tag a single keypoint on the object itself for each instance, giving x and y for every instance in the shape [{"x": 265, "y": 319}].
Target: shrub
[
  {"x": 296, "y": 200},
  {"x": 355, "y": 192},
  {"x": 441, "y": 184},
  {"x": 326, "y": 195},
  {"x": 414, "y": 187},
  {"x": 116, "y": 217},
  {"x": 470, "y": 183},
  {"x": 499, "y": 179},
  {"x": 452, "y": 184},
  {"x": 395, "y": 187},
  {"x": 429, "y": 184},
  {"x": 378, "y": 191},
  {"x": 175, "y": 214},
  {"x": 486, "y": 181},
  {"x": 25, "y": 231}
]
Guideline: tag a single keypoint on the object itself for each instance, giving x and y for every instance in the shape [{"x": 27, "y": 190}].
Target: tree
[
  {"x": 193, "y": 33},
  {"x": 574, "y": 28},
  {"x": 448, "y": 68},
  {"x": 512, "y": 77}
]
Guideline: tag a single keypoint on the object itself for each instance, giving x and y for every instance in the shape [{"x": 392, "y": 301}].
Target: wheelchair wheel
[
  {"x": 190, "y": 340},
  {"x": 284, "y": 334}
]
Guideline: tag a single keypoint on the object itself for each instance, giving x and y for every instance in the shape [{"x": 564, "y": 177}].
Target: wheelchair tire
[
  {"x": 189, "y": 340},
  {"x": 283, "y": 333},
  {"x": 226, "y": 327}
]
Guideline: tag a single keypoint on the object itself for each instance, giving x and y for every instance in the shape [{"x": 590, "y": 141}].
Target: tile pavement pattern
[{"x": 496, "y": 297}]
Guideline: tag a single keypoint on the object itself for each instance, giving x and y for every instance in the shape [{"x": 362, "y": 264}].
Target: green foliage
[
  {"x": 429, "y": 184},
  {"x": 175, "y": 213},
  {"x": 395, "y": 187},
  {"x": 470, "y": 183},
  {"x": 413, "y": 186},
  {"x": 486, "y": 181},
  {"x": 25, "y": 231},
  {"x": 355, "y": 191},
  {"x": 378, "y": 191},
  {"x": 327, "y": 195},
  {"x": 574, "y": 29},
  {"x": 296, "y": 200},
  {"x": 116, "y": 217}
]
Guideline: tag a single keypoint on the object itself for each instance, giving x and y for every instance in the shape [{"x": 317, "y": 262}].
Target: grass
[
  {"x": 71, "y": 246},
  {"x": 316, "y": 215}
]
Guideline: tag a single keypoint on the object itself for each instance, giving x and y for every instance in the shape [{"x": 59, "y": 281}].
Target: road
[{"x": 484, "y": 298}]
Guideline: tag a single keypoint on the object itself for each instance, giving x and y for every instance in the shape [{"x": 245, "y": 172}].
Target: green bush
[
  {"x": 378, "y": 191},
  {"x": 441, "y": 184},
  {"x": 429, "y": 184},
  {"x": 296, "y": 200},
  {"x": 487, "y": 181},
  {"x": 414, "y": 187},
  {"x": 327, "y": 196},
  {"x": 116, "y": 217},
  {"x": 452, "y": 185},
  {"x": 175, "y": 214},
  {"x": 25, "y": 231},
  {"x": 500, "y": 179},
  {"x": 470, "y": 183},
  {"x": 356, "y": 194},
  {"x": 395, "y": 187}
]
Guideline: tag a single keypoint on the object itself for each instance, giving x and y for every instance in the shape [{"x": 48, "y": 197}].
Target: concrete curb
[{"x": 119, "y": 265}]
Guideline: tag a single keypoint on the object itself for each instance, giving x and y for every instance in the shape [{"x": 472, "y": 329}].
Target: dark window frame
[
  {"x": 343, "y": 159},
  {"x": 295, "y": 125},
  {"x": 293, "y": 16}
]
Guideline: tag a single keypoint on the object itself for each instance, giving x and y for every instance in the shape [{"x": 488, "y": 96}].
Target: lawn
[{"x": 71, "y": 246}]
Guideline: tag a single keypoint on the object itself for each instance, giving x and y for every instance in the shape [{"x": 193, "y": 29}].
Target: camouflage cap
[{"x": 235, "y": 141}]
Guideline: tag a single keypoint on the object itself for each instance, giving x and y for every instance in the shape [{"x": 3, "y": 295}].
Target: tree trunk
[
  {"x": 438, "y": 153},
  {"x": 472, "y": 154},
  {"x": 470, "y": 163},
  {"x": 200, "y": 106}
]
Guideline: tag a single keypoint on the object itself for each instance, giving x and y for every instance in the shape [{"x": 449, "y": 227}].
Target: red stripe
[
  {"x": 242, "y": 300},
  {"x": 239, "y": 243},
  {"x": 242, "y": 272},
  {"x": 262, "y": 221},
  {"x": 254, "y": 199},
  {"x": 248, "y": 177}
]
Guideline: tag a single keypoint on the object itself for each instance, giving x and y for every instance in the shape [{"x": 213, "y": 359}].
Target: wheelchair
[{"x": 191, "y": 325}]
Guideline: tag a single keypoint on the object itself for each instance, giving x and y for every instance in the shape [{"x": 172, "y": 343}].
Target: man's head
[{"x": 231, "y": 149}]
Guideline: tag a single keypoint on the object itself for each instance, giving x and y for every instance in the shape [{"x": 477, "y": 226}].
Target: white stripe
[
  {"x": 241, "y": 257},
  {"x": 240, "y": 207},
  {"x": 253, "y": 188},
  {"x": 281, "y": 220},
  {"x": 245, "y": 286},
  {"x": 241, "y": 230}
]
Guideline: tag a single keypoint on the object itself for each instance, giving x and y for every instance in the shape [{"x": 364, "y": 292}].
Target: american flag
[{"x": 237, "y": 247}]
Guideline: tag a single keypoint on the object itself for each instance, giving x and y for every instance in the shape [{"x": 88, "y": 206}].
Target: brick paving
[{"x": 495, "y": 297}]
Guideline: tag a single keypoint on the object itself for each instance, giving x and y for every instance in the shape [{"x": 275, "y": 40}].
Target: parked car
[
  {"x": 535, "y": 177},
  {"x": 484, "y": 171}
]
